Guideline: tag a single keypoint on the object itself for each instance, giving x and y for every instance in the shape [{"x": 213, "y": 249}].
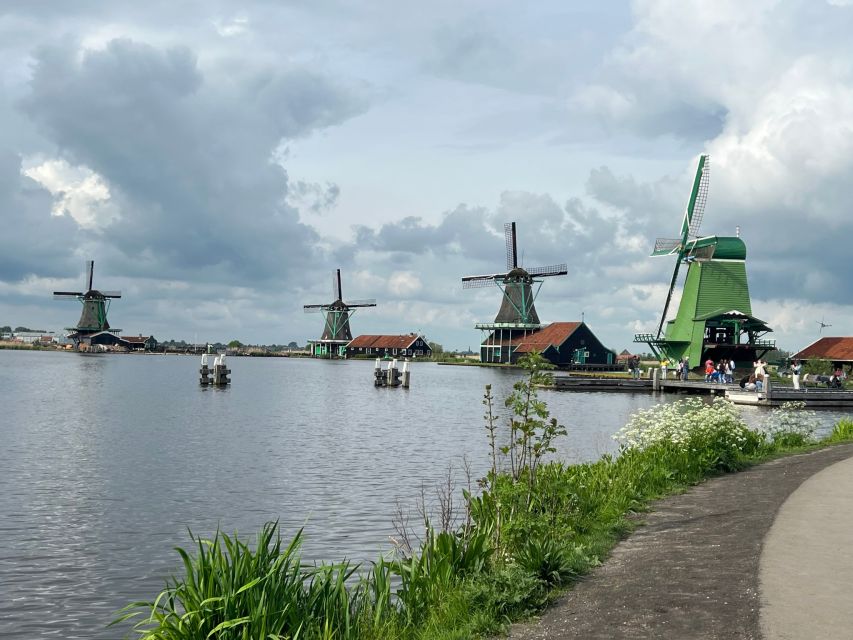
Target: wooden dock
[
  {"x": 813, "y": 397},
  {"x": 578, "y": 383}
]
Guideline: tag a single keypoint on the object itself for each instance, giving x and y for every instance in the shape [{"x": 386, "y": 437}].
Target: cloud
[
  {"x": 312, "y": 197},
  {"x": 186, "y": 151},
  {"x": 78, "y": 191},
  {"x": 404, "y": 283}
]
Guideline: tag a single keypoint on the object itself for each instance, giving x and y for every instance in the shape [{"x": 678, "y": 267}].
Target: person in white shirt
[{"x": 796, "y": 370}]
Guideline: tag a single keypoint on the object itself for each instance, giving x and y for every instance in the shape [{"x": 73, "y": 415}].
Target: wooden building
[
  {"x": 114, "y": 341},
  {"x": 564, "y": 344},
  {"x": 410, "y": 345},
  {"x": 838, "y": 350}
]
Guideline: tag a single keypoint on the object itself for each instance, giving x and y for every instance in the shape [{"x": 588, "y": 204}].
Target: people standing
[
  {"x": 685, "y": 369},
  {"x": 664, "y": 365},
  {"x": 796, "y": 370},
  {"x": 709, "y": 370},
  {"x": 730, "y": 374}
]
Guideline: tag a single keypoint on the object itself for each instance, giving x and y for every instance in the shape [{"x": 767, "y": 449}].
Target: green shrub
[
  {"x": 507, "y": 593},
  {"x": 547, "y": 559},
  {"x": 842, "y": 431}
]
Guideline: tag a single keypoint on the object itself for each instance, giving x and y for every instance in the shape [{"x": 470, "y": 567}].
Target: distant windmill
[
  {"x": 714, "y": 319},
  {"x": 823, "y": 325},
  {"x": 336, "y": 331},
  {"x": 95, "y": 303},
  {"x": 517, "y": 284},
  {"x": 520, "y": 286}
]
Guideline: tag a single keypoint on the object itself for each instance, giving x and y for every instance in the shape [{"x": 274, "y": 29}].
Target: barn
[
  {"x": 564, "y": 344},
  {"x": 410, "y": 345},
  {"x": 838, "y": 350}
]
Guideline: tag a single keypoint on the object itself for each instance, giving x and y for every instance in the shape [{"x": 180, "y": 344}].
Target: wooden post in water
[
  {"x": 377, "y": 374},
  {"x": 656, "y": 379},
  {"x": 204, "y": 371},
  {"x": 406, "y": 374},
  {"x": 220, "y": 372}
]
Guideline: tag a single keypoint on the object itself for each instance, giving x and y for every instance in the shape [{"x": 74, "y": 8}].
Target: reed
[{"x": 230, "y": 591}]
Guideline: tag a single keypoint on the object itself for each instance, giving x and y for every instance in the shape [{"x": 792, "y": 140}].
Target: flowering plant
[{"x": 712, "y": 433}]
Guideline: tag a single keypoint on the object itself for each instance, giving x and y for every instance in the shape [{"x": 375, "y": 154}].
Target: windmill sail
[
  {"x": 511, "y": 249},
  {"x": 689, "y": 226},
  {"x": 699, "y": 196}
]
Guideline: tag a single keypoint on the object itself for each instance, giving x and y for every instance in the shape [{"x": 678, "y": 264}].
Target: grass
[{"x": 528, "y": 537}]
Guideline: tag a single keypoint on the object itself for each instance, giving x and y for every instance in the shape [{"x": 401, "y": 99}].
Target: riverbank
[{"x": 535, "y": 530}]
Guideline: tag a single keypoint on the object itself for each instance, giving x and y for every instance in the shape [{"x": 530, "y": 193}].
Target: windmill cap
[{"x": 724, "y": 247}]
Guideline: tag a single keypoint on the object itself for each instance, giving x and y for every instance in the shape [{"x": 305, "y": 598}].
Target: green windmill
[
  {"x": 96, "y": 304},
  {"x": 517, "y": 316},
  {"x": 336, "y": 329},
  {"x": 714, "y": 318}
]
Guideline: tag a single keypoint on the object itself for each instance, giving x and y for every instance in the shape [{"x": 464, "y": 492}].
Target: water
[{"x": 106, "y": 461}]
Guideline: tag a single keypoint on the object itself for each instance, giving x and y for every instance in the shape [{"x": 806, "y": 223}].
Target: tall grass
[
  {"x": 230, "y": 591},
  {"x": 527, "y": 535}
]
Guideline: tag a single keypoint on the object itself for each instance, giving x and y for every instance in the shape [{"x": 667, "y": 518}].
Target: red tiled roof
[
  {"x": 554, "y": 334},
  {"x": 136, "y": 339},
  {"x": 828, "y": 349},
  {"x": 384, "y": 342}
]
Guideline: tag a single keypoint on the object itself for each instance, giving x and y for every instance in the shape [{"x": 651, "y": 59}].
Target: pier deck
[{"x": 812, "y": 396}]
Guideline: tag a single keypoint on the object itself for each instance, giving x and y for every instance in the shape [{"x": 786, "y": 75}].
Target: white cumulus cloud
[{"x": 78, "y": 192}]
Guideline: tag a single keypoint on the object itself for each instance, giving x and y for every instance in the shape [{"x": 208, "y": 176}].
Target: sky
[{"x": 219, "y": 160}]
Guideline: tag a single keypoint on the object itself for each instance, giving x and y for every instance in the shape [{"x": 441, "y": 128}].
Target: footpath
[{"x": 765, "y": 553}]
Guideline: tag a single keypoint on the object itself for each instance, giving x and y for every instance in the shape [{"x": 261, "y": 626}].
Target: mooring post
[
  {"x": 220, "y": 371},
  {"x": 767, "y": 387},
  {"x": 656, "y": 379},
  {"x": 406, "y": 374},
  {"x": 377, "y": 374},
  {"x": 204, "y": 371}
]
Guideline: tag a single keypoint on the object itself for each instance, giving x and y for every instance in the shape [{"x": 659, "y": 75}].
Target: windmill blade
[
  {"x": 669, "y": 295},
  {"x": 336, "y": 285},
  {"x": 367, "y": 302},
  {"x": 314, "y": 308},
  {"x": 666, "y": 246},
  {"x": 90, "y": 272},
  {"x": 552, "y": 270},
  {"x": 57, "y": 295},
  {"x": 111, "y": 294},
  {"x": 698, "y": 197},
  {"x": 475, "y": 282},
  {"x": 511, "y": 250}
]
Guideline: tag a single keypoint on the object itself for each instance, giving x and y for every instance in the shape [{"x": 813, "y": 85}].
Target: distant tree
[
  {"x": 235, "y": 344},
  {"x": 777, "y": 356},
  {"x": 815, "y": 366},
  {"x": 292, "y": 345},
  {"x": 6, "y": 329},
  {"x": 436, "y": 348}
]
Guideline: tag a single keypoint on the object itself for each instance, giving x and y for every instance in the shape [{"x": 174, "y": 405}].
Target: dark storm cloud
[{"x": 186, "y": 153}]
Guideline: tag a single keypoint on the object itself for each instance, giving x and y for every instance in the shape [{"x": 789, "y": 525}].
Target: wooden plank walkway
[{"x": 812, "y": 396}]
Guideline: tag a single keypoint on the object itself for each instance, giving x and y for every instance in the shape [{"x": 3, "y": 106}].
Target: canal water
[{"x": 107, "y": 461}]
